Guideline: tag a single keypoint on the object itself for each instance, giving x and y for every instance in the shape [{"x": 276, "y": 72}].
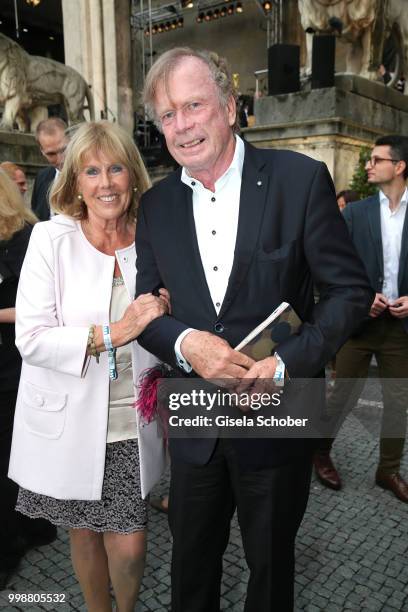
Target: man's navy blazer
[
  {"x": 290, "y": 237},
  {"x": 363, "y": 219},
  {"x": 39, "y": 199}
]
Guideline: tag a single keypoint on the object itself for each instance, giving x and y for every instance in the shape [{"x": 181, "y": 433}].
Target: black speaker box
[
  {"x": 323, "y": 57},
  {"x": 283, "y": 69}
]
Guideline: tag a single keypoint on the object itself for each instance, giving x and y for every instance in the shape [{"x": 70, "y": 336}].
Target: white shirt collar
[
  {"x": 384, "y": 201},
  {"x": 236, "y": 165}
]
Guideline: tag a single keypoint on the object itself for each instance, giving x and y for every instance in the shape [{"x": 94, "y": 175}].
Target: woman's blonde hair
[
  {"x": 97, "y": 137},
  {"x": 13, "y": 211}
]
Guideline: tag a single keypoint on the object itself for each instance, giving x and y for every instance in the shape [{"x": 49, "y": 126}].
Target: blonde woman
[
  {"x": 78, "y": 454},
  {"x": 17, "y": 533}
]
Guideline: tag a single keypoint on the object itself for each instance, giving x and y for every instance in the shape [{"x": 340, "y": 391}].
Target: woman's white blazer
[{"x": 59, "y": 437}]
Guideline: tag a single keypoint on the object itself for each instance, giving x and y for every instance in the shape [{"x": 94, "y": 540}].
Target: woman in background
[
  {"x": 16, "y": 174},
  {"x": 345, "y": 197},
  {"x": 17, "y": 533}
]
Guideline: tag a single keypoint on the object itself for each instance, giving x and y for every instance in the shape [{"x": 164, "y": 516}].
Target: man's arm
[
  {"x": 160, "y": 336},
  {"x": 345, "y": 292}
]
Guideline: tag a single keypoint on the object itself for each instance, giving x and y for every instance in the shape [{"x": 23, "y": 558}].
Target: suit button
[
  {"x": 39, "y": 400},
  {"x": 219, "y": 328}
]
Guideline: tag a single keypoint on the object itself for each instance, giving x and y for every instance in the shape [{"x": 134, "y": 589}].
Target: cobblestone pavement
[{"x": 352, "y": 548}]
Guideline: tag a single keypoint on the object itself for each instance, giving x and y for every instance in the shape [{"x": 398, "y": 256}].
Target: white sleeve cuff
[{"x": 183, "y": 363}]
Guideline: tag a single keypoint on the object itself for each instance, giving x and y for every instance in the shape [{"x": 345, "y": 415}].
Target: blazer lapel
[
  {"x": 254, "y": 188},
  {"x": 374, "y": 221},
  {"x": 404, "y": 253},
  {"x": 186, "y": 238}
]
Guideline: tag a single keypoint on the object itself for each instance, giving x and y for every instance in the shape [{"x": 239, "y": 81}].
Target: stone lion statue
[
  {"x": 28, "y": 84},
  {"x": 365, "y": 25}
]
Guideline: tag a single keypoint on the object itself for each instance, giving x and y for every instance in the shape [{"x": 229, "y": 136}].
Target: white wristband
[
  {"x": 113, "y": 372},
  {"x": 279, "y": 376}
]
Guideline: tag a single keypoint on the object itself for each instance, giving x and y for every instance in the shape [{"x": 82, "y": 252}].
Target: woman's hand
[
  {"x": 142, "y": 311},
  {"x": 165, "y": 295}
]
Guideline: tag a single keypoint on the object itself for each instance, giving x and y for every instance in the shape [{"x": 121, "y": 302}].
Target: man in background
[
  {"x": 52, "y": 140},
  {"x": 379, "y": 229}
]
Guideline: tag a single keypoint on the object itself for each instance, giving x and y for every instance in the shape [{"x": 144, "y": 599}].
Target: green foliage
[{"x": 359, "y": 181}]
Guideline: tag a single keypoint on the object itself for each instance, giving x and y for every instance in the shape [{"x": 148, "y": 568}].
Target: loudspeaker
[
  {"x": 283, "y": 69},
  {"x": 323, "y": 57}
]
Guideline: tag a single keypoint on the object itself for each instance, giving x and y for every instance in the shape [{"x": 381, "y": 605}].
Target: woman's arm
[
  {"x": 40, "y": 339},
  {"x": 7, "y": 315},
  {"x": 137, "y": 316}
]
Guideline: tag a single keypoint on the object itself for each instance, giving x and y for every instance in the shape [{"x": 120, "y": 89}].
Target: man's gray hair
[{"x": 162, "y": 68}]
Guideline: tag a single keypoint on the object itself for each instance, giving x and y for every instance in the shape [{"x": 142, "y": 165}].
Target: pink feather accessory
[{"x": 146, "y": 403}]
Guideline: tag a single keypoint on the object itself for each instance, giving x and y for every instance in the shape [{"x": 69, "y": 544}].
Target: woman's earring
[
  {"x": 80, "y": 197},
  {"x": 135, "y": 189}
]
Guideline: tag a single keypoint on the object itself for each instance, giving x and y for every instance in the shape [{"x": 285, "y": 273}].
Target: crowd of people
[{"x": 217, "y": 245}]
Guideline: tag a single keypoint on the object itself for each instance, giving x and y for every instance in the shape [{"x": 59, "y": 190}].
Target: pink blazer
[{"x": 59, "y": 437}]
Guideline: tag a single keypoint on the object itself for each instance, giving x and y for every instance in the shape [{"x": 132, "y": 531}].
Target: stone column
[
  {"x": 97, "y": 38},
  {"x": 75, "y": 47},
  {"x": 124, "y": 64},
  {"x": 98, "y": 57},
  {"x": 110, "y": 41}
]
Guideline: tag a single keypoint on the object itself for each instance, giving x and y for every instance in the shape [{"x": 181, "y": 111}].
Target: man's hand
[
  {"x": 213, "y": 358},
  {"x": 399, "y": 307},
  {"x": 259, "y": 376},
  {"x": 379, "y": 305}
]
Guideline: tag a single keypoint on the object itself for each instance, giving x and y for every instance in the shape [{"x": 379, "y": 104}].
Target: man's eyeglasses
[{"x": 373, "y": 161}]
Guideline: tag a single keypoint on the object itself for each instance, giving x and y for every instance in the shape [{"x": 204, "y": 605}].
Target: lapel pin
[{"x": 259, "y": 183}]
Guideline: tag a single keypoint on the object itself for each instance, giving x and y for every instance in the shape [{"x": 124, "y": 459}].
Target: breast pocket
[
  {"x": 277, "y": 254},
  {"x": 44, "y": 410}
]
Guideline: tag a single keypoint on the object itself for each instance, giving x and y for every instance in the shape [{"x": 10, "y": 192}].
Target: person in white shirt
[
  {"x": 379, "y": 229},
  {"x": 232, "y": 234},
  {"x": 52, "y": 140}
]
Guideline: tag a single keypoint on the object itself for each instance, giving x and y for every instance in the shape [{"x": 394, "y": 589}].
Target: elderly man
[
  {"x": 51, "y": 138},
  {"x": 232, "y": 234}
]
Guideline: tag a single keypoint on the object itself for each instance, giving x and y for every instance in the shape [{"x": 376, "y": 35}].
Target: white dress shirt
[
  {"x": 392, "y": 223},
  {"x": 216, "y": 223}
]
